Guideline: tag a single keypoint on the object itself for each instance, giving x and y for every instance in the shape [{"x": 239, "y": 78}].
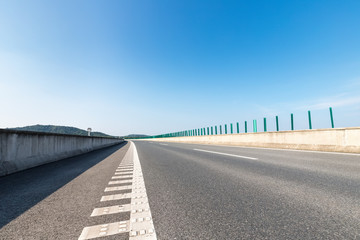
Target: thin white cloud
[{"x": 323, "y": 104}]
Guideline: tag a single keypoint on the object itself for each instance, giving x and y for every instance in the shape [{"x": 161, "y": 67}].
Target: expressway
[{"x": 194, "y": 192}]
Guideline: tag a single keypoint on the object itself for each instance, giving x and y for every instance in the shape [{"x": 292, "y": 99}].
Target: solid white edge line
[
  {"x": 225, "y": 154},
  {"x": 141, "y": 223}
]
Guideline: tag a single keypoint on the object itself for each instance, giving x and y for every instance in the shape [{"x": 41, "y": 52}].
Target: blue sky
[{"x": 153, "y": 67}]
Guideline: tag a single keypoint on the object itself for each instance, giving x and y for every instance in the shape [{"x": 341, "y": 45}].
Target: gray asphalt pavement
[
  {"x": 273, "y": 194},
  {"x": 194, "y": 192},
  {"x": 54, "y": 201}
]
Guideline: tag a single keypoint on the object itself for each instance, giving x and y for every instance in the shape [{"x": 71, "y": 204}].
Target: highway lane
[
  {"x": 54, "y": 201},
  {"x": 218, "y": 192},
  {"x": 194, "y": 192}
]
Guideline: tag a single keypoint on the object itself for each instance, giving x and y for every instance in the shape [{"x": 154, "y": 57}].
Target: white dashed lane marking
[
  {"x": 120, "y": 182},
  {"x": 140, "y": 226},
  {"x": 124, "y": 171},
  {"x": 118, "y": 188},
  {"x": 123, "y": 174},
  {"x": 226, "y": 154},
  {"x": 115, "y": 197},
  {"x": 105, "y": 230},
  {"x": 111, "y": 210},
  {"x": 122, "y": 177}
]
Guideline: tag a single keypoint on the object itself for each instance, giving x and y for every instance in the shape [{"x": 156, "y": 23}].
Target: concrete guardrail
[
  {"x": 330, "y": 140},
  {"x": 20, "y": 150}
]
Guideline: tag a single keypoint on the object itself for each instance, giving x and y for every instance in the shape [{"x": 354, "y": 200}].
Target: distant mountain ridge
[
  {"x": 136, "y": 136},
  {"x": 60, "y": 130}
]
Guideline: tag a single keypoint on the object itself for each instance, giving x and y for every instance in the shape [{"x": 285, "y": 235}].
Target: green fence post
[
  {"x": 231, "y": 127},
  {"x": 208, "y": 132},
  {"x": 225, "y": 129},
  {"x": 212, "y": 132},
  {"x": 265, "y": 129},
  {"x": 220, "y": 130},
  {"x": 277, "y": 123},
  {"x": 292, "y": 122},
  {"x": 238, "y": 129},
  {"x": 215, "y": 130},
  {"x": 254, "y": 126},
  {"x": 309, "y": 115},
  {"x": 331, "y": 117},
  {"x": 245, "y": 126}
]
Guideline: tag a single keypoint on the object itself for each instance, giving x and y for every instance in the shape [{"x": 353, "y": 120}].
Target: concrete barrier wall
[
  {"x": 21, "y": 150},
  {"x": 331, "y": 140}
]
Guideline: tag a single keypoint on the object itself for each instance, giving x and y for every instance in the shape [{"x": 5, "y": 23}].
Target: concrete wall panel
[
  {"x": 331, "y": 140},
  {"x": 21, "y": 150}
]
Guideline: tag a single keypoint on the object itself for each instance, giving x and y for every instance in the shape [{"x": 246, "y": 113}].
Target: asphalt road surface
[{"x": 194, "y": 192}]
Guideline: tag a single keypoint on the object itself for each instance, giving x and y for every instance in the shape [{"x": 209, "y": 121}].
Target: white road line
[
  {"x": 122, "y": 177},
  {"x": 111, "y": 210},
  {"x": 115, "y": 197},
  {"x": 109, "y": 189},
  {"x": 141, "y": 224},
  {"x": 120, "y": 182},
  {"x": 123, "y": 174},
  {"x": 225, "y": 154},
  {"x": 104, "y": 230},
  {"x": 274, "y": 149},
  {"x": 124, "y": 170}
]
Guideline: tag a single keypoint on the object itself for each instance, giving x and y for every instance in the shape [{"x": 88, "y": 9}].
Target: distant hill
[
  {"x": 60, "y": 129},
  {"x": 136, "y": 136}
]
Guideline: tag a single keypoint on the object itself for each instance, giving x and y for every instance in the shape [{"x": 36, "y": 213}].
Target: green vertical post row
[
  {"x": 254, "y": 126},
  {"x": 309, "y": 115},
  {"x": 277, "y": 123},
  {"x": 265, "y": 128},
  {"x": 245, "y": 126},
  {"x": 331, "y": 117},
  {"x": 292, "y": 122},
  {"x": 238, "y": 129},
  {"x": 225, "y": 129},
  {"x": 231, "y": 128}
]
